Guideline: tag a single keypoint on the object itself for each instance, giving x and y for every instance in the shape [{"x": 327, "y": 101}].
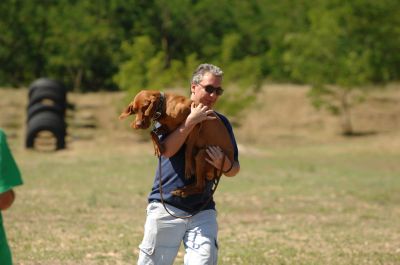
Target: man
[
  {"x": 9, "y": 178},
  {"x": 163, "y": 232}
]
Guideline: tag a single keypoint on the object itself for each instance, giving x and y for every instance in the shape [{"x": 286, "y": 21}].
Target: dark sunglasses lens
[{"x": 211, "y": 89}]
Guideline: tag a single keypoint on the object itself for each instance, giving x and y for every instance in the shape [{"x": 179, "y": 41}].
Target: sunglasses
[{"x": 210, "y": 89}]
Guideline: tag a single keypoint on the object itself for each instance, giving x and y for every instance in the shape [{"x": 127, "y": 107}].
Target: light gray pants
[{"x": 163, "y": 235}]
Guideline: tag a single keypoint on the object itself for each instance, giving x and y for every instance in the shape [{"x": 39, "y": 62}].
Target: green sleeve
[{"x": 10, "y": 175}]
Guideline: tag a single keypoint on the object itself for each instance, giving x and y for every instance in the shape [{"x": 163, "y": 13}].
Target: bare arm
[
  {"x": 175, "y": 140},
  {"x": 6, "y": 199},
  {"x": 233, "y": 171}
]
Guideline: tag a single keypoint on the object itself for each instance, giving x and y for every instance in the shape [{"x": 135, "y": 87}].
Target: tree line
[{"x": 337, "y": 46}]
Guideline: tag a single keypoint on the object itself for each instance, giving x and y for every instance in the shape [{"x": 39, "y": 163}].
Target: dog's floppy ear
[
  {"x": 127, "y": 112},
  {"x": 151, "y": 106}
]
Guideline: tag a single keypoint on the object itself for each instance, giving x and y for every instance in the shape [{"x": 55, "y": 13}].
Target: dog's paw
[
  {"x": 179, "y": 193},
  {"x": 211, "y": 175}
]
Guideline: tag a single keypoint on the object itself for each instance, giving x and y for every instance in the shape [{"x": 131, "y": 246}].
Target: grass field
[{"x": 301, "y": 198}]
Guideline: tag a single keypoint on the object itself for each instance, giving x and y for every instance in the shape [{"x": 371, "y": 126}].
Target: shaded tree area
[
  {"x": 337, "y": 46},
  {"x": 348, "y": 46}
]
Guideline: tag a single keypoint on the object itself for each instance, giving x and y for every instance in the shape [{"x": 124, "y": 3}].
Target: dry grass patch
[{"x": 304, "y": 195}]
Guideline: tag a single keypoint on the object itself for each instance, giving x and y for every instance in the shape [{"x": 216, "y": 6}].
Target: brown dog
[{"x": 170, "y": 110}]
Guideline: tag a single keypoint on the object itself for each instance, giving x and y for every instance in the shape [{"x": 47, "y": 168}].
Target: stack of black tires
[{"x": 47, "y": 106}]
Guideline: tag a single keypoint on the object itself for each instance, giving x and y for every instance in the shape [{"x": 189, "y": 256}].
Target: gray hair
[{"x": 204, "y": 68}]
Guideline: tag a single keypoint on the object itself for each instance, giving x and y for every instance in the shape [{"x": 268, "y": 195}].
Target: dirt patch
[{"x": 283, "y": 114}]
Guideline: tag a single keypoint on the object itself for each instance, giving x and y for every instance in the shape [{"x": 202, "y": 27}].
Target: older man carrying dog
[{"x": 164, "y": 229}]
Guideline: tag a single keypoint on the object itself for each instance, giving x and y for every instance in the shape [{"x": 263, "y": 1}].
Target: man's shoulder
[
  {"x": 224, "y": 119},
  {"x": 221, "y": 116}
]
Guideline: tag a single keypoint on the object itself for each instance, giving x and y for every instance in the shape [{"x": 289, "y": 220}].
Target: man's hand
[
  {"x": 216, "y": 157},
  {"x": 198, "y": 114},
  {"x": 6, "y": 199},
  {"x": 175, "y": 140}
]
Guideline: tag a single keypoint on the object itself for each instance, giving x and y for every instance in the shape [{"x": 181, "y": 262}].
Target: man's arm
[
  {"x": 233, "y": 171},
  {"x": 175, "y": 140},
  {"x": 6, "y": 199}
]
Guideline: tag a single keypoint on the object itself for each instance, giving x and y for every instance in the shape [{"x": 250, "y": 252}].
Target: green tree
[
  {"x": 24, "y": 28},
  {"x": 338, "y": 53},
  {"x": 282, "y": 19},
  {"x": 132, "y": 73},
  {"x": 79, "y": 48}
]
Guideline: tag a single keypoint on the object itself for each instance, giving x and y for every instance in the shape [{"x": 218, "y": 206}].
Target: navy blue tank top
[{"x": 173, "y": 177}]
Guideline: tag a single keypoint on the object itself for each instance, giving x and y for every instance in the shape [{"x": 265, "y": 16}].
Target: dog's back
[
  {"x": 210, "y": 133},
  {"x": 177, "y": 108},
  {"x": 214, "y": 132}
]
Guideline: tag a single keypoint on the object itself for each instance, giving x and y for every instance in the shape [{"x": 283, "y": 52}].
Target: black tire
[
  {"x": 46, "y": 121},
  {"x": 40, "y": 107},
  {"x": 48, "y": 94},
  {"x": 48, "y": 83}
]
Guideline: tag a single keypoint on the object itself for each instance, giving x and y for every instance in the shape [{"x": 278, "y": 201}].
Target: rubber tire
[
  {"x": 50, "y": 93},
  {"x": 40, "y": 107},
  {"x": 46, "y": 121},
  {"x": 49, "y": 83}
]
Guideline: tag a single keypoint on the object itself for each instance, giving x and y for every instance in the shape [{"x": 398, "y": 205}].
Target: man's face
[{"x": 199, "y": 93}]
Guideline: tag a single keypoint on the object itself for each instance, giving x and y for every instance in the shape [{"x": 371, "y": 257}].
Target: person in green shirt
[{"x": 10, "y": 177}]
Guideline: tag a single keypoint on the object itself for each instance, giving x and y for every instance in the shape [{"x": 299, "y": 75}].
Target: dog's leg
[
  {"x": 200, "y": 165},
  {"x": 198, "y": 186},
  {"x": 189, "y": 152}
]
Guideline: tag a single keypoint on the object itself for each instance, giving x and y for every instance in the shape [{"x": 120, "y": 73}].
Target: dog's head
[{"x": 143, "y": 106}]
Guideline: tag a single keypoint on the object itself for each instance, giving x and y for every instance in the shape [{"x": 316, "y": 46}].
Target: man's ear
[
  {"x": 127, "y": 112},
  {"x": 192, "y": 88}
]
